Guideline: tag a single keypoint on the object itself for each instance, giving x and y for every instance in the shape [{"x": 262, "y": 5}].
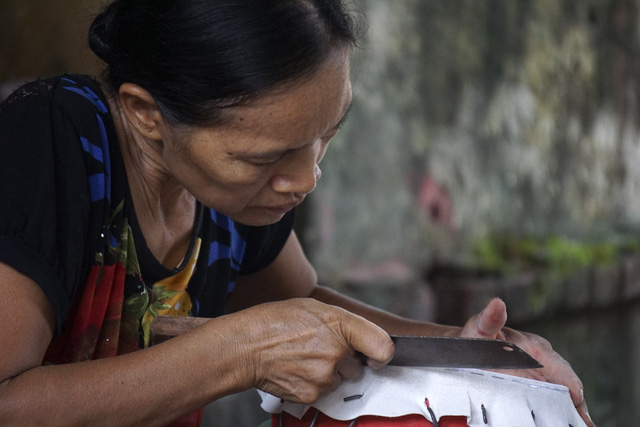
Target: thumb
[
  {"x": 369, "y": 339},
  {"x": 488, "y": 323}
]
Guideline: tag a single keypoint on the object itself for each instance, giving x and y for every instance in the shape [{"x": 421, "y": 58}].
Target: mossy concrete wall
[{"x": 479, "y": 117}]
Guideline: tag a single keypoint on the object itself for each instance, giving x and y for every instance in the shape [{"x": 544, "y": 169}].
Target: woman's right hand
[{"x": 300, "y": 348}]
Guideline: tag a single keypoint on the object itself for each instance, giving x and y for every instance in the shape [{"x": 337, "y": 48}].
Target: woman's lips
[{"x": 282, "y": 209}]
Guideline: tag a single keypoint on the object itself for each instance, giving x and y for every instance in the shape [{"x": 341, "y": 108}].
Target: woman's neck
[{"x": 165, "y": 210}]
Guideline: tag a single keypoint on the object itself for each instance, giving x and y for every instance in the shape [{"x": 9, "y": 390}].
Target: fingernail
[{"x": 374, "y": 364}]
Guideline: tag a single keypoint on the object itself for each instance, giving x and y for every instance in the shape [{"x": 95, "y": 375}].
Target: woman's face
[{"x": 262, "y": 162}]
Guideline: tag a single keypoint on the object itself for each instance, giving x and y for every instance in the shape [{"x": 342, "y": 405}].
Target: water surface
[{"x": 604, "y": 349}]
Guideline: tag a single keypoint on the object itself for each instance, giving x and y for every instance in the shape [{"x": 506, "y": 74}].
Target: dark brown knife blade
[{"x": 444, "y": 352}]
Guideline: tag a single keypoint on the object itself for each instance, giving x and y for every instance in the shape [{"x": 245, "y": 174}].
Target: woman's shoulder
[
  {"x": 58, "y": 109},
  {"x": 62, "y": 90},
  {"x": 81, "y": 88}
]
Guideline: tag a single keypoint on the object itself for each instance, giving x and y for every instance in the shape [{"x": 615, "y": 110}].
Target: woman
[{"x": 168, "y": 188}]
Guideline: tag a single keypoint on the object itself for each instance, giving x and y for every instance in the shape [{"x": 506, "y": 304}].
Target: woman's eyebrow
[{"x": 274, "y": 154}]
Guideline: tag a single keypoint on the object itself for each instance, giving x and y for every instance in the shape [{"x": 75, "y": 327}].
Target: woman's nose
[{"x": 298, "y": 177}]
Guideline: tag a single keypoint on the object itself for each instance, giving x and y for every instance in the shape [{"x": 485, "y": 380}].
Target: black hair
[{"x": 196, "y": 57}]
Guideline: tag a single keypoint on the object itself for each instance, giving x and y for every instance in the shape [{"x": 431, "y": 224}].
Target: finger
[
  {"x": 369, "y": 339},
  {"x": 337, "y": 380},
  {"x": 584, "y": 414},
  {"x": 349, "y": 367},
  {"x": 489, "y": 322},
  {"x": 564, "y": 374},
  {"x": 556, "y": 368}
]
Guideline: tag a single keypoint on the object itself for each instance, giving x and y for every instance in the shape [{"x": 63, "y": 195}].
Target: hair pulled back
[{"x": 197, "y": 57}]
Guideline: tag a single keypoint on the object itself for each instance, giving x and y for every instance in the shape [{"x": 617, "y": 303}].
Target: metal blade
[{"x": 445, "y": 352}]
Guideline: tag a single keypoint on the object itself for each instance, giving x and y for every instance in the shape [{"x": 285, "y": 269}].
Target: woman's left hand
[{"x": 489, "y": 323}]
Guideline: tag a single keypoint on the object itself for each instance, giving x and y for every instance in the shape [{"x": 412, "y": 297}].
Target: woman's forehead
[{"x": 321, "y": 99}]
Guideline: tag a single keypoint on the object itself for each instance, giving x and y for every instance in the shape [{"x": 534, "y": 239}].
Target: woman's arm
[
  {"x": 142, "y": 388},
  {"x": 294, "y": 349}
]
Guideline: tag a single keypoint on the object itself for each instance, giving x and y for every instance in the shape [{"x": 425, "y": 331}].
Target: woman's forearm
[
  {"x": 148, "y": 387},
  {"x": 390, "y": 322}
]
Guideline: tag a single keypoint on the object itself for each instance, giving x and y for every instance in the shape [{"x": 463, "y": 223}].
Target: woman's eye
[{"x": 266, "y": 160}]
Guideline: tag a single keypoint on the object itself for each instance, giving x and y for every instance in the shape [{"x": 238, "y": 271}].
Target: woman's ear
[{"x": 141, "y": 110}]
